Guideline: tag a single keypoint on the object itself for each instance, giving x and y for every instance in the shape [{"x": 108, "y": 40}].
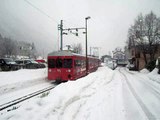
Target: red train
[{"x": 64, "y": 65}]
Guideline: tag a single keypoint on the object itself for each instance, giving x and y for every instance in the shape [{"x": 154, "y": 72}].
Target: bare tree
[
  {"x": 152, "y": 32},
  {"x": 77, "y": 48},
  {"x": 1, "y": 46},
  {"x": 12, "y": 48},
  {"x": 145, "y": 35},
  {"x": 9, "y": 47}
]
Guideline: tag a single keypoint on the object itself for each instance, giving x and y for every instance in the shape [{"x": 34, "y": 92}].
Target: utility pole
[
  {"x": 61, "y": 29},
  {"x": 86, "y": 44}
]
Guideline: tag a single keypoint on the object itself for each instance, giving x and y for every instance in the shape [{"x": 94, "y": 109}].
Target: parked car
[
  {"x": 130, "y": 66},
  {"x": 42, "y": 62},
  {"x": 29, "y": 64},
  {"x": 7, "y": 64}
]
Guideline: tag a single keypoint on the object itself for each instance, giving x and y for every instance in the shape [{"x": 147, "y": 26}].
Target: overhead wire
[{"x": 40, "y": 11}]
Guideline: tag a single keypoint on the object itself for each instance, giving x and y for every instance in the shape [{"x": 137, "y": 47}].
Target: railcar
[{"x": 65, "y": 65}]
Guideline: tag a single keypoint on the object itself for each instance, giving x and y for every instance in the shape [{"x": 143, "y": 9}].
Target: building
[
  {"x": 26, "y": 50},
  {"x": 138, "y": 55},
  {"x": 120, "y": 57},
  {"x": 105, "y": 58}
]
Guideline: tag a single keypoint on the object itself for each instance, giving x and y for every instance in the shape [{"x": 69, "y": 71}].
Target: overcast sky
[{"x": 107, "y": 28}]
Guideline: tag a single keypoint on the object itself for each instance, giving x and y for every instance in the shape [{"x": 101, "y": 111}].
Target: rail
[{"x": 21, "y": 99}]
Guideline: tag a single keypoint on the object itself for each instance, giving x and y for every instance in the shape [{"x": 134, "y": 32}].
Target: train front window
[
  {"x": 59, "y": 63},
  {"x": 51, "y": 63},
  {"x": 67, "y": 63}
]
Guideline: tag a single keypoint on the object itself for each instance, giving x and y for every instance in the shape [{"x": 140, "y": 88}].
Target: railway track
[{"x": 23, "y": 98}]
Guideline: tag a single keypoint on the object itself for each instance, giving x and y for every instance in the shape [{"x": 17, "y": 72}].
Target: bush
[{"x": 151, "y": 65}]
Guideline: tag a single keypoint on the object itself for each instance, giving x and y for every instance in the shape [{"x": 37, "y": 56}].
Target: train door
[
  {"x": 51, "y": 68},
  {"x": 68, "y": 68},
  {"x": 59, "y": 70}
]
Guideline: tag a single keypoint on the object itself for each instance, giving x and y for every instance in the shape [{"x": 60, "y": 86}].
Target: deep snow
[
  {"x": 102, "y": 95},
  {"x": 14, "y": 80}
]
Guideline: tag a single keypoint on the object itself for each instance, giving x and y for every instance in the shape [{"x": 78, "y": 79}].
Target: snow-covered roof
[
  {"x": 61, "y": 53},
  {"x": 66, "y": 53}
]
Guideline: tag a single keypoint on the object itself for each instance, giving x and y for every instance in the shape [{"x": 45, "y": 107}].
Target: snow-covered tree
[{"x": 145, "y": 33}]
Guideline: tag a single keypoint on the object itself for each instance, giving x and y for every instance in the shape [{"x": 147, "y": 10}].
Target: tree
[
  {"x": 77, "y": 48},
  {"x": 1, "y": 46},
  {"x": 145, "y": 35},
  {"x": 12, "y": 48},
  {"x": 9, "y": 47},
  {"x": 152, "y": 32}
]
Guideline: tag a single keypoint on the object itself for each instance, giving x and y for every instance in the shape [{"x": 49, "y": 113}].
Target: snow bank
[
  {"x": 21, "y": 75},
  {"x": 154, "y": 71},
  {"x": 15, "y": 80},
  {"x": 75, "y": 100},
  {"x": 144, "y": 71},
  {"x": 154, "y": 75}
]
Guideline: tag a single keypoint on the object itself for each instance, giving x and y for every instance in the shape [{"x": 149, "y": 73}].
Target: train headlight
[
  {"x": 69, "y": 70},
  {"x": 50, "y": 70}
]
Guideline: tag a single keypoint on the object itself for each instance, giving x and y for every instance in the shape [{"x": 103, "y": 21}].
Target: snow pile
[
  {"x": 154, "y": 71},
  {"x": 92, "y": 98},
  {"x": 21, "y": 75},
  {"x": 144, "y": 71},
  {"x": 15, "y": 80},
  {"x": 154, "y": 75}
]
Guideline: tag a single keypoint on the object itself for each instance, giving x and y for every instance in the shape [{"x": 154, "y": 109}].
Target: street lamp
[{"x": 86, "y": 44}]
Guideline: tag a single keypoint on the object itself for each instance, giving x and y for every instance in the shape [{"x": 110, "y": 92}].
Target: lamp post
[{"x": 86, "y": 44}]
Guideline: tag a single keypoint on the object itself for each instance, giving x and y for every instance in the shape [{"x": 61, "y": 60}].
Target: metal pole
[
  {"x": 61, "y": 29},
  {"x": 86, "y": 45},
  {"x": 86, "y": 49}
]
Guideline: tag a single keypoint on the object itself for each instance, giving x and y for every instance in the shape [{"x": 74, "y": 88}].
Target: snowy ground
[
  {"x": 23, "y": 78},
  {"x": 103, "y": 95},
  {"x": 15, "y": 84}
]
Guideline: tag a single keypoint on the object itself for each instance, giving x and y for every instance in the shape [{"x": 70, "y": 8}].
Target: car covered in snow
[
  {"x": 29, "y": 64},
  {"x": 7, "y": 64}
]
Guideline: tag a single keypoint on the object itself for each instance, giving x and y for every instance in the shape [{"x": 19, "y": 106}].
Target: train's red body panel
[{"x": 64, "y": 66}]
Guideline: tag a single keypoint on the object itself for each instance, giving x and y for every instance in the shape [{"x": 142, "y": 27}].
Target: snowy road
[
  {"x": 146, "y": 92},
  {"x": 103, "y": 95}
]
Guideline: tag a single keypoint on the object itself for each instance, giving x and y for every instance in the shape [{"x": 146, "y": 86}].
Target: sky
[{"x": 37, "y": 21}]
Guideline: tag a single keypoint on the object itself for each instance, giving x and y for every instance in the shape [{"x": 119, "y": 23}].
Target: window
[
  {"x": 77, "y": 63},
  {"x": 51, "y": 63},
  {"x": 19, "y": 61},
  {"x": 59, "y": 63},
  {"x": 67, "y": 63},
  {"x": 8, "y": 60},
  {"x": 1, "y": 61}
]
